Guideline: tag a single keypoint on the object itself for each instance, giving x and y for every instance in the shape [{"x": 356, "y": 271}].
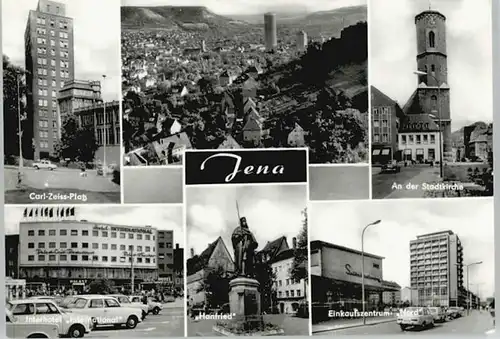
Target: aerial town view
[{"x": 244, "y": 76}]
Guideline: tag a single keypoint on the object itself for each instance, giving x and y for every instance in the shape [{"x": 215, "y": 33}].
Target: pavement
[
  {"x": 349, "y": 182},
  {"x": 169, "y": 323},
  {"x": 477, "y": 323},
  {"x": 291, "y": 325},
  {"x": 405, "y": 184},
  {"x": 63, "y": 185}
]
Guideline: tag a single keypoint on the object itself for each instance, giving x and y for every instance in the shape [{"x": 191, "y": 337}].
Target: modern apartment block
[
  {"x": 49, "y": 58},
  {"x": 437, "y": 269},
  {"x": 165, "y": 252}
]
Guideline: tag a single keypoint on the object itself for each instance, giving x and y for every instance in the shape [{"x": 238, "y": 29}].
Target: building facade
[
  {"x": 104, "y": 119},
  {"x": 436, "y": 269},
  {"x": 290, "y": 293},
  {"x": 301, "y": 41},
  {"x": 215, "y": 256},
  {"x": 432, "y": 97},
  {"x": 385, "y": 122},
  {"x": 178, "y": 268},
  {"x": 270, "y": 37},
  {"x": 49, "y": 58},
  {"x": 12, "y": 256},
  {"x": 418, "y": 139},
  {"x": 58, "y": 249},
  {"x": 336, "y": 278},
  {"x": 165, "y": 241}
]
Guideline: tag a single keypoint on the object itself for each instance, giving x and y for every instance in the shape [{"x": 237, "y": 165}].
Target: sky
[
  {"x": 246, "y": 7},
  {"x": 341, "y": 223},
  {"x": 96, "y": 34},
  {"x": 272, "y": 211},
  {"x": 165, "y": 217},
  {"x": 469, "y": 48}
]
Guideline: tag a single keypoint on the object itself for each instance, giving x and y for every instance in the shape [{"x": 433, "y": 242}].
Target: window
[
  {"x": 52, "y": 257},
  {"x": 113, "y": 234},
  {"x": 74, "y": 257},
  {"x": 85, "y": 245},
  {"x": 122, "y": 247},
  {"x": 148, "y": 249},
  {"x": 105, "y": 234},
  {"x": 105, "y": 259},
  {"x": 433, "y": 68},
  {"x": 122, "y": 235},
  {"x": 74, "y": 245},
  {"x": 31, "y": 258},
  {"x": 113, "y": 247},
  {"x": 63, "y": 232},
  {"x": 111, "y": 303},
  {"x": 139, "y": 236},
  {"x": 85, "y": 233},
  {"x": 85, "y": 258},
  {"x": 41, "y": 233},
  {"x": 52, "y": 245},
  {"x": 52, "y": 63},
  {"x": 96, "y": 303},
  {"x": 376, "y": 137},
  {"x": 104, "y": 246},
  {"x": 95, "y": 233},
  {"x": 63, "y": 257},
  {"x": 95, "y": 246},
  {"x": 131, "y": 235},
  {"x": 74, "y": 232},
  {"x": 139, "y": 248},
  {"x": 41, "y": 257},
  {"x": 434, "y": 102},
  {"x": 52, "y": 42},
  {"x": 433, "y": 139},
  {"x": 113, "y": 259},
  {"x": 62, "y": 245},
  {"x": 432, "y": 39}
]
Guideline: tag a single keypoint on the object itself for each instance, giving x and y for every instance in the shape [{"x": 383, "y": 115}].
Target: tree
[
  {"x": 77, "y": 144},
  {"x": 10, "y": 110},
  {"x": 101, "y": 286},
  {"x": 299, "y": 269},
  {"x": 264, "y": 274},
  {"x": 216, "y": 288}
]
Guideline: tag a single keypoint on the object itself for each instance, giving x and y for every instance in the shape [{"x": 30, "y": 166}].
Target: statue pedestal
[
  {"x": 245, "y": 311},
  {"x": 244, "y": 303}
]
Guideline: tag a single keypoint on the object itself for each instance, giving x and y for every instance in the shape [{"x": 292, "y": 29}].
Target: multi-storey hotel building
[
  {"x": 437, "y": 269},
  {"x": 60, "y": 250},
  {"x": 50, "y": 63}
]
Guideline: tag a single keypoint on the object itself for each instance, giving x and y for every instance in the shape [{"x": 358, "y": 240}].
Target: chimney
[
  {"x": 192, "y": 252},
  {"x": 177, "y": 246},
  {"x": 294, "y": 243}
]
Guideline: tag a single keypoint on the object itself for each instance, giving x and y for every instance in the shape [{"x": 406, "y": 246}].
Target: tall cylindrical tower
[{"x": 270, "y": 37}]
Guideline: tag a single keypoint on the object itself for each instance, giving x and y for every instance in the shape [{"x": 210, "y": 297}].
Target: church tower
[{"x": 433, "y": 90}]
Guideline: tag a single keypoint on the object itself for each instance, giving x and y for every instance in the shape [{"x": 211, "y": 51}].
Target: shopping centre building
[
  {"x": 57, "y": 248},
  {"x": 336, "y": 278}
]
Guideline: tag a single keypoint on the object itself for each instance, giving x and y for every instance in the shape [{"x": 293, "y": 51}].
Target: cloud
[
  {"x": 393, "y": 53},
  {"x": 271, "y": 212},
  {"x": 96, "y": 33},
  {"x": 251, "y": 7},
  {"x": 166, "y": 217},
  {"x": 402, "y": 220}
]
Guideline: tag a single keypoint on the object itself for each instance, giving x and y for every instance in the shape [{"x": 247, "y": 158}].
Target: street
[
  {"x": 339, "y": 182},
  {"x": 382, "y": 183},
  {"x": 291, "y": 325},
  {"x": 478, "y": 323},
  {"x": 169, "y": 323},
  {"x": 63, "y": 185}
]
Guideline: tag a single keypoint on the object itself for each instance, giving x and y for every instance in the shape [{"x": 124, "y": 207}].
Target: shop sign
[
  {"x": 123, "y": 229},
  {"x": 351, "y": 272},
  {"x": 139, "y": 254},
  {"x": 63, "y": 251}
]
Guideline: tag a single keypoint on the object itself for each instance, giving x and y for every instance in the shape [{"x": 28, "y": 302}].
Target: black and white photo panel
[
  {"x": 62, "y": 90},
  {"x": 95, "y": 271},
  {"x": 234, "y": 75},
  {"x": 417, "y": 266},
  {"x": 431, "y": 131},
  {"x": 248, "y": 263}
]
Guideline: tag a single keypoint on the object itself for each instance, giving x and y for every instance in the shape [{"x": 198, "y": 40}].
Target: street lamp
[
  {"x": 104, "y": 168},
  {"x": 20, "y": 132},
  {"x": 468, "y": 292},
  {"x": 363, "y": 267},
  {"x": 439, "y": 119}
]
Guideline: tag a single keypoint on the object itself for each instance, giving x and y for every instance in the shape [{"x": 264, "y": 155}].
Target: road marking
[
  {"x": 149, "y": 329},
  {"x": 492, "y": 331}
]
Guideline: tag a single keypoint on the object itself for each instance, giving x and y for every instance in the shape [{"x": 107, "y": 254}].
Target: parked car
[
  {"x": 439, "y": 314},
  {"x": 455, "y": 312},
  {"x": 153, "y": 306},
  {"x": 44, "y": 164},
  {"x": 57, "y": 300},
  {"x": 40, "y": 311},
  {"x": 68, "y": 300},
  {"x": 105, "y": 311},
  {"x": 127, "y": 302},
  {"x": 391, "y": 167},
  {"x": 419, "y": 317},
  {"x": 17, "y": 329}
]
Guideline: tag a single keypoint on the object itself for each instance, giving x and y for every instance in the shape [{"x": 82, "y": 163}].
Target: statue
[{"x": 244, "y": 245}]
